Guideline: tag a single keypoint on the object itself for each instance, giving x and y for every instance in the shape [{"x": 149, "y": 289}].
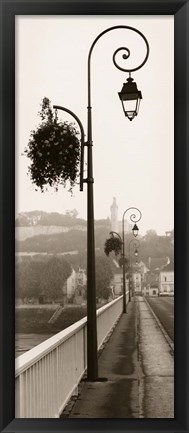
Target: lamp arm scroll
[
  {"x": 133, "y": 218},
  {"x": 125, "y": 56}
]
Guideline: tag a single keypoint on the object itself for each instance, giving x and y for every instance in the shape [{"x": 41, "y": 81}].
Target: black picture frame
[{"x": 180, "y": 10}]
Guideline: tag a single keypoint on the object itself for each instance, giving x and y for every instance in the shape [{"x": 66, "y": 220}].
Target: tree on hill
[
  {"x": 49, "y": 219},
  {"x": 103, "y": 222},
  {"x": 151, "y": 245},
  {"x": 155, "y": 246},
  {"x": 28, "y": 278},
  {"x": 77, "y": 260},
  {"x": 73, "y": 240},
  {"x": 104, "y": 275},
  {"x": 69, "y": 219},
  {"x": 72, "y": 213},
  {"x": 150, "y": 234},
  {"x": 41, "y": 278},
  {"x": 53, "y": 277},
  {"x": 54, "y": 243}
]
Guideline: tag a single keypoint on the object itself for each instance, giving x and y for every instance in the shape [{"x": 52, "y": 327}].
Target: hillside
[
  {"x": 74, "y": 240},
  {"x": 24, "y": 232},
  {"x": 71, "y": 236},
  {"x": 33, "y": 224}
]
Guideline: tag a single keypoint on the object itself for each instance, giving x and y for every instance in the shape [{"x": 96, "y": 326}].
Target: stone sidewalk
[{"x": 138, "y": 366}]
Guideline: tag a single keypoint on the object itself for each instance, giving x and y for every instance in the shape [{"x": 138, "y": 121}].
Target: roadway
[{"x": 163, "y": 307}]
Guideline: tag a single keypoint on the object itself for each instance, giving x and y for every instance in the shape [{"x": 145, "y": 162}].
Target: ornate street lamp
[
  {"x": 92, "y": 363},
  {"x": 135, "y": 230},
  {"x": 133, "y": 217},
  {"x": 134, "y": 243},
  {"x": 130, "y": 97}
]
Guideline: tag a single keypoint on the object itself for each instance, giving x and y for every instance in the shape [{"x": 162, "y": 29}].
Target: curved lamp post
[
  {"x": 59, "y": 107},
  {"x": 112, "y": 233},
  {"x": 129, "y": 94},
  {"x": 134, "y": 217},
  {"x": 134, "y": 243}
]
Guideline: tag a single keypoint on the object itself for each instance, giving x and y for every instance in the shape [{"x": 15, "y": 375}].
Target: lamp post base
[{"x": 98, "y": 379}]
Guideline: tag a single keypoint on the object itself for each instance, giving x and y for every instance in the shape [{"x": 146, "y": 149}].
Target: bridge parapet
[{"x": 48, "y": 375}]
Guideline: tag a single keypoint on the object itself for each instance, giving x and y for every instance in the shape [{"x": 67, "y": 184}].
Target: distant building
[
  {"x": 166, "y": 280},
  {"x": 150, "y": 286},
  {"x": 155, "y": 263},
  {"x": 71, "y": 285},
  {"x": 137, "y": 286},
  {"x": 81, "y": 277},
  {"x": 143, "y": 270},
  {"x": 80, "y": 291},
  {"x": 74, "y": 289},
  {"x": 80, "y": 295},
  {"x": 117, "y": 282},
  {"x": 114, "y": 216},
  {"x": 168, "y": 233},
  {"x": 116, "y": 225},
  {"x": 150, "y": 291}
]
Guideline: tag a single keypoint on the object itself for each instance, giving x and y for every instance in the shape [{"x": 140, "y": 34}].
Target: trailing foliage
[
  {"x": 112, "y": 244},
  {"x": 35, "y": 278},
  {"x": 54, "y": 150}
]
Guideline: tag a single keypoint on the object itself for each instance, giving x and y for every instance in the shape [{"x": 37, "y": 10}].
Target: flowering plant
[
  {"x": 112, "y": 244},
  {"x": 54, "y": 150}
]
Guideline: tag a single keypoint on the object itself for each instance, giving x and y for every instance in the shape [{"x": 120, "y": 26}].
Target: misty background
[{"x": 133, "y": 161}]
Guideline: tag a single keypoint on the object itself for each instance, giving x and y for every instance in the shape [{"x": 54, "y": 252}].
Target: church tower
[{"x": 114, "y": 216}]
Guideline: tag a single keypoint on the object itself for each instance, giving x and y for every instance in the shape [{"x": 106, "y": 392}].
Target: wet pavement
[
  {"x": 138, "y": 365},
  {"x": 163, "y": 307},
  {"x": 158, "y": 367}
]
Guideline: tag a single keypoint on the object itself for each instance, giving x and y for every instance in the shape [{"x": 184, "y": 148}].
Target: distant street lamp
[
  {"x": 129, "y": 93},
  {"x": 134, "y": 218},
  {"x": 135, "y": 230},
  {"x": 136, "y": 253},
  {"x": 134, "y": 243}
]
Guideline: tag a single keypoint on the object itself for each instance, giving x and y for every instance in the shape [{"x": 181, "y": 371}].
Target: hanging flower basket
[
  {"x": 54, "y": 150},
  {"x": 112, "y": 244}
]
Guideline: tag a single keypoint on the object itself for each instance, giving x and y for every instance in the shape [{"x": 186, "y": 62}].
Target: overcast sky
[{"x": 133, "y": 161}]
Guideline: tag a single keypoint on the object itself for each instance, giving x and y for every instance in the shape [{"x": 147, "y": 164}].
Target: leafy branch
[{"x": 112, "y": 244}]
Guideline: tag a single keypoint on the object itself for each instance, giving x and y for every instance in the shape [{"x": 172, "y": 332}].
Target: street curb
[{"x": 166, "y": 336}]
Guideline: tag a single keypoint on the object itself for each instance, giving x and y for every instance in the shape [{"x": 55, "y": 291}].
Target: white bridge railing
[{"x": 49, "y": 374}]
